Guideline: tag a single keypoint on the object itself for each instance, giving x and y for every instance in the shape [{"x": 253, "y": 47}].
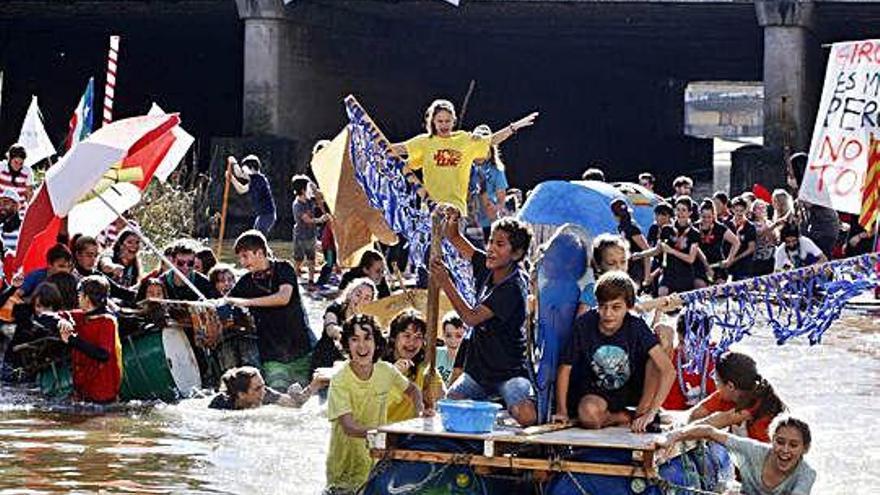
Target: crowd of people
[{"x": 616, "y": 370}]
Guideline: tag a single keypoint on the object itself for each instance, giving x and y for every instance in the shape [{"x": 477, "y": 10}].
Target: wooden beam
[
  {"x": 432, "y": 310},
  {"x": 510, "y": 462}
]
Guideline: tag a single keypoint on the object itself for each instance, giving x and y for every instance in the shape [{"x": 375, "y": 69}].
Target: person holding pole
[
  {"x": 257, "y": 186},
  {"x": 495, "y": 362},
  {"x": 271, "y": 291}
]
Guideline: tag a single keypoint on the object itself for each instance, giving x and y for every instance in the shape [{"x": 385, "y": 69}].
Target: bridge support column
[
  {"x": 264, "y": 35},
  {"x": 792, "y": 73}
]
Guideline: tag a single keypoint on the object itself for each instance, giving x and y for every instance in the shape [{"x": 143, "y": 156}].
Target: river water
[{"x": 187, "y": 448}]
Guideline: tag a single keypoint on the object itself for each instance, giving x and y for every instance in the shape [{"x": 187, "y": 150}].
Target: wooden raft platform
[{"x": 533, "y": 449}]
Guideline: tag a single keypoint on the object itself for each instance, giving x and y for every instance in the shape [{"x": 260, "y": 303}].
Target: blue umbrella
[{"x": 584, "y": 203}]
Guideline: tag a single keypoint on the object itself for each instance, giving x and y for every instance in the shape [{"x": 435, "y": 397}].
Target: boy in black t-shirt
[
  {"x": 748, "y": 238},
  {"x": 602, "y": 370},
  {"x": 495, "y": 360},
  {"x": 271, "y": 291}
]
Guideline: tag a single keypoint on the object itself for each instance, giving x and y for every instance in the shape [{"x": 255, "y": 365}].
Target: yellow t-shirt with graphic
[
  {"x": 446, "y": 164},
  {"x": 400, "y": 407},
  {"x": 348, "y": 459}
]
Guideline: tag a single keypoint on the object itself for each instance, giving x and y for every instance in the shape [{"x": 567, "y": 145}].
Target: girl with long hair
[{"x": 744, "y": 400}]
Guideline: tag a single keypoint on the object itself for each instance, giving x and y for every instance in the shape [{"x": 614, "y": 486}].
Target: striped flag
[
  {"x": 871, "y": 189},
  {"x": 81, "y": 120}
]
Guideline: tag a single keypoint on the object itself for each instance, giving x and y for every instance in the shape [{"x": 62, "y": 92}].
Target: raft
[
  {"x": 169, "y": 349},
  {"x": 419, "y": 456}
]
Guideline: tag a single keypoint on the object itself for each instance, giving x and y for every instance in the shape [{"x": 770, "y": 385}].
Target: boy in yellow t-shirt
[
  {"x": 358, "y": 401},
  {"x": 446, "y": 156}
]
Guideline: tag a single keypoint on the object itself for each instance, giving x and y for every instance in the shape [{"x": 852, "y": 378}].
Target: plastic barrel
[
  {"x": 56, "y": 381},
  {"x": 146, "y": 375},
  {"x": 594, "y": 484},
  {"x": 435, "y": 479}
]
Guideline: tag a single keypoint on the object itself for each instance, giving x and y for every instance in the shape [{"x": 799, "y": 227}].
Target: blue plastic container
[{"x": 468, "y": 416}]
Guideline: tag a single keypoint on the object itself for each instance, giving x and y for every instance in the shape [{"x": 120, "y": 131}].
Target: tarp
[{"x": 586, "y": 204}]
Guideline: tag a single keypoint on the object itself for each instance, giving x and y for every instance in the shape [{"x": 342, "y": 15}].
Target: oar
[
  {"x": 433, "y": 309},
  {"x": 223, "y": 209}
]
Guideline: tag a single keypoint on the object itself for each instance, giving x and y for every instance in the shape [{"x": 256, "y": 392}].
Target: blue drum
[
  {"x": 701, "y": 468},
  {"x": 436, "y": 479}
]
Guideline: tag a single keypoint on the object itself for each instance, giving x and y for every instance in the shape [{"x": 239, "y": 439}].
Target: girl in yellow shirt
[
  {"x": 358, "y": 402},
  {"x": 446, "y": 156},
  {"x": 406, "y": 350}
]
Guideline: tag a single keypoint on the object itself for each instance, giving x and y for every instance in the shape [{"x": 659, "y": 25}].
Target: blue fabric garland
[{"x": 380, "y": 174}]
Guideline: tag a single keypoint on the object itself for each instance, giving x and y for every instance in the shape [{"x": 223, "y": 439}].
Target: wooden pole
[
  {"x": 464, "y": 104},
  {"x": 223, "y": 210},
  {"x": 432, "y": 310}
]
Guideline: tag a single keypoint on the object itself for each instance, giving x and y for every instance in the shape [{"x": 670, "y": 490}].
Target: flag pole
[
  {"x": 223, "y": 210},
  {"x": 110, "y": 83},
  {"x": 152, "y": 247}
]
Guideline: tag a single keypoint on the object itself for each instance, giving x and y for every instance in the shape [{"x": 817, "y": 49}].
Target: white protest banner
[{"x": 848, "y": 118}]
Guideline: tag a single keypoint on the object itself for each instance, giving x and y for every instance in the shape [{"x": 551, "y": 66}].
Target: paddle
[{"x": 223, "y": 208}]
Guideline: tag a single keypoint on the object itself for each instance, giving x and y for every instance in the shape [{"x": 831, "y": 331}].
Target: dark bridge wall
[
  {"x": 607, "y": 78},
  {"x": 186, "y": 60},
  {"x": 600, "y": 101}
]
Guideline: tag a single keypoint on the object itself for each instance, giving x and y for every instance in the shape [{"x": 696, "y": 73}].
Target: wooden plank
[
  {"x": 612, "y": 438},
  {"x": 510, "y": 462},
  {"x": 615, "y": 437}
]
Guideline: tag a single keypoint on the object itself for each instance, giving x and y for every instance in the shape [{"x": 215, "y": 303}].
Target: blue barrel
[
  {"x": 594, "y": 484},
  {"x": 436, "y": 479},
  {"x": 700, "y": 468}
]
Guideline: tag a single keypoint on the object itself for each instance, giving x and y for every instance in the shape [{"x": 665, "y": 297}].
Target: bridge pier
[
  {"x": 792, "y": 73},
  {"x": 264, "y": 33}
]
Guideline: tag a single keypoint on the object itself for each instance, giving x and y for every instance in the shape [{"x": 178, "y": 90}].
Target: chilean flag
[
  {"x": 81, "y": 120},
  {"x": 124, "y": 144}
]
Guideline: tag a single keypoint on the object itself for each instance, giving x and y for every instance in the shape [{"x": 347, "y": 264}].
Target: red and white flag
[{"x": 121, "y": 145}]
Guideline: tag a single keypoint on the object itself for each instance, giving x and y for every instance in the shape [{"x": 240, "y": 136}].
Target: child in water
[
  {"x": 358, "y": 401},
  {"x": 92, "y": 333}
]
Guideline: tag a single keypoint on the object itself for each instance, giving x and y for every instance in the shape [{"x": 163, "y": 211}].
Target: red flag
[{"x": 761, "y": 192}]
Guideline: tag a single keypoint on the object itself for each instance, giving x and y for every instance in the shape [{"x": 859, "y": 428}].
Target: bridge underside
[{"x": 608, "y": 77}]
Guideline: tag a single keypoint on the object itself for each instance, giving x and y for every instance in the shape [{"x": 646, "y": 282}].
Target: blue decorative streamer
[
  {"x": 380, "y": 174},
  {"x": 803, "y": 302}
]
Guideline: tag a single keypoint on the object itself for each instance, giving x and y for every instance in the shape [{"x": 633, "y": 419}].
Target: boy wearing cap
[
  {"x": 491, "y": 184},
  {"x": 257, "y": 186}
]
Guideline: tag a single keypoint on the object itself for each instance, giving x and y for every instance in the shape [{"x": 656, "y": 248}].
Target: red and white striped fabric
[
  {"x": 19, "y": 181},
  {"x": 110, "y": 84},
  {"x": 124, "y": 142}
]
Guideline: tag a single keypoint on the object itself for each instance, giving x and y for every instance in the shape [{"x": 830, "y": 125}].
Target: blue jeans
[
  {"x": 264, "y": 223},
  {"x": 513, "y": 391}
]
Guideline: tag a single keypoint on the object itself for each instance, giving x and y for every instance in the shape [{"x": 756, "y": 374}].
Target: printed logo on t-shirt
[
  {"x": 447, "y": 158},
  {"x": 611, "y": 366}
]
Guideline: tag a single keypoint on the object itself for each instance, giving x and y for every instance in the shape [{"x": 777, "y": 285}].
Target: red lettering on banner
[
  {"x": 857, "y": 53},
  {"x": 842, "y": 180},
  {"x": 447, "y": 158},
  {"x": 844, "y": 187},
  {"x": 820, "y": 184},
  {"x": 849, "y": 148}
]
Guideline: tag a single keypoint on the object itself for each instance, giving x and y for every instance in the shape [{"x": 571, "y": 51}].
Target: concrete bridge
[{"x": 608, "y": 75}]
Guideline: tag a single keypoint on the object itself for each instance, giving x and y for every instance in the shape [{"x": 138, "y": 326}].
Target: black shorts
[
  {"x": 618, "y": 400},
  {"x": 677, "y": 283}
]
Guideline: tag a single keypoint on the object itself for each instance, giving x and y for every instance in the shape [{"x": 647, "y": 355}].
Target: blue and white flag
[{"x": 81, "y": 120}]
